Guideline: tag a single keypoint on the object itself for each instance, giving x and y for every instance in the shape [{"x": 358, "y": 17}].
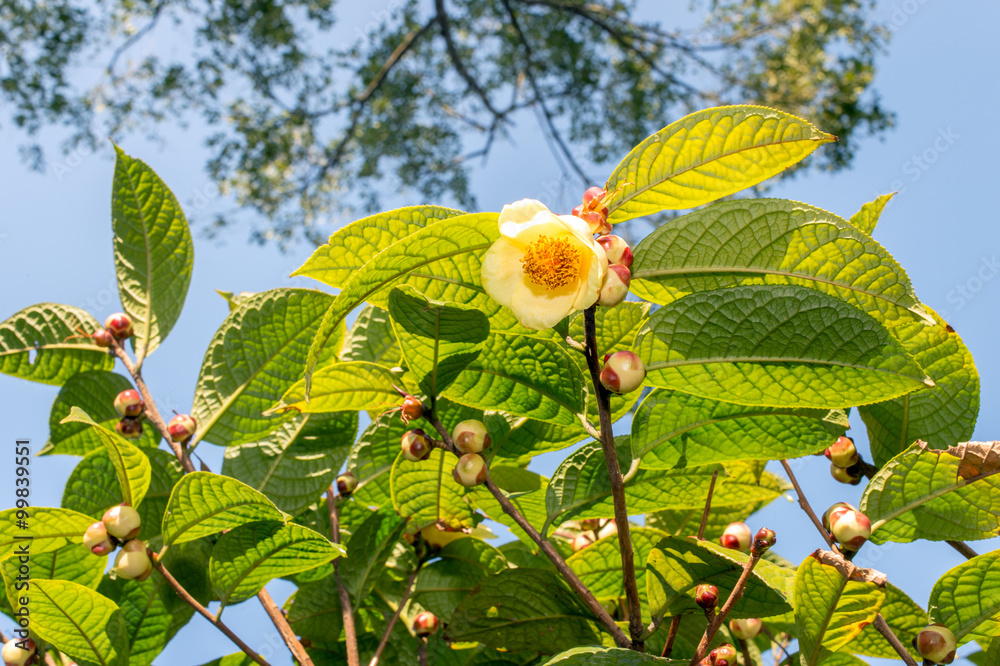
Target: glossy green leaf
[
  {"x": 371, "y": 338},
  {"x": 49, "y": 343},
  {"x": 599, "y": 565},
  {"x": 834, "y": 601},
  {"x": 672, "y": 429},
  {"x": 94, "y": 392},
  {"x": 684, "y": 522},
  {"x": 522, "y": 609},
  {"x": 46, "y": 529},
  {"x": 130, "y": 463},
  {"x": 866, "y": 218},
  {"x": 426, "y": 493},
  {"x": 246, "y": 558},
  {"x": 966, "y": 599},
  {"x": 463, "y": 565},
  {"x": 203, "y": 503},
  {"x": 942, "y": 415},
  {"x": 372, "y": 457},
  {"x": 597, "y": 656},
  {"x": 235, "y": 300},
  {"x": 518, "y": 439},
  {"x": 342, "y": 387},
  {"x": 371, "y": 544},
  {"x": 707, "y": 155},
  {"x": 903, "y": 615},
  {"x": 72, "y": 562},
  {"x": 776, "y": 346},
  {"x": 294, "y": 465},
  {"x": 438, "y": 340},
  {"x": 927, "y": 494},
  {"x": 254, "y": 358},
  {"x": 80, "y": 622},
  {"x": 154, "y": 253},
  {"x": 355, "y": 244},
  {"x": 314, "y": 611},
  {"x": 773, "y": 241}
]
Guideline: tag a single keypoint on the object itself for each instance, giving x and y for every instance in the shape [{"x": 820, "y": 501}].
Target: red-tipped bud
[
  {"x": 470, "y": 470},
  {"x": 129, "y": 403},
  {"x": 762, "y": 541},
  {"x": 842, "y": 452},
  {"x": 706, "y": 596},
  {"x": 582, "y": 540},
  {"x": 347, "y": 483},
  {"x": 122, "y": 522},
  {"x": 598, "y": 223},
  {"x": 19, "y": 652},
  {"x": 623, "y": 372},
  {"x": 133, "y": 562},
  {"x": 412, "y": 409},
  {"x": 936, "y": 643},
  {"x": 182, "y": 427},
  {"x": 129, "y": 427},
  {"x": 617, "y": 250},
  {"x": 837, "y": 508},
  {"x": 470, "y": 436},
  {"x": 736, "y": 536},
  {"x": 850, "y": 528},
  {"x": 415, "y": 444},
  {"x": 593, "y": 197},
  {"x": 103, "y": 338},
  {"x": 425, "y": 624},
  {"x": 849, "y": 475},
  {"x": 96, "y": 540},
  {"x": 615, "y": 286},
  {"x": 746, "y": 629},
  {"x": 724, "y": 655},
  {"x": 119, "y": 325}
]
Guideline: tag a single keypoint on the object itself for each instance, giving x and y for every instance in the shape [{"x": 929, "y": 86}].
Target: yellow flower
[{"x": 544, "y": 266}]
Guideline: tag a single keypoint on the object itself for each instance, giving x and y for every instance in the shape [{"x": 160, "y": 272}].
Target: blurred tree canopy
[{"x": 308, "y": 120}]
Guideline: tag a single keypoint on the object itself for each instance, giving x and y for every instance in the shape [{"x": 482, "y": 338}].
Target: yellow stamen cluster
[{"x": 552, "y": 262}]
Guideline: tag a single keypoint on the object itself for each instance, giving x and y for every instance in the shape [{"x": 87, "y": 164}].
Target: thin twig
[
  {"x": 675, "y": 625},
  {"x": 781, "y": 646},
  {"x": 617, "y": 481},
  {"x": 345, "y": 599},
  {"x": 883, "y": 628},
  {"x": 804, "y": 503},
  {"x": 963, "y": 548},
  {"x": 747, "y": 661},
  {"x": 281, "y": 624},
  {"x": 720, "y": 617},
  {"x": 422, "y": 652},
  {"x": 191, "y": 601},
  {"x": 708, "y": 505},
  {"x": 395, "y": 617}
]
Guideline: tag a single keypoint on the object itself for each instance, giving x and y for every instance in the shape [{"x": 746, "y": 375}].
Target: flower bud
[
  {"x": 842, "y": 452},
  {"x": 129, "y": 427},
  {"x": 706, "y": 596},
  {"x": 736, "y": 537},
  {"x": 412, "y": 409},
  {"x": 18, "y": 652},
  {"x": 617, "y": 250},
  {"x": 425, "y": 624},
  {"x": 582, "y": 540},
  {"x": 762, "y": 541},
  {"x": 129, "y": 403},
  {"x": 614, "y": 288},
  {"x": 122, "y": 522},
  {"x": 590, "y": 524},
  {"x": 724, "y": 655},
  {"x": 470, "y": 436},
  {"x": 849, "y": 475},
  {"x": 416, "y": 446},
  {"x": 935, "y": 643},
  {"x": 347, "y": 483},
  {"x": 133, "y": 562},
  {"x": 182, "y": 427},
  {"x": 850, "y": 528},
  {"x": 598, "y": 223},
  {"x": 837, "y": 508},
  {"x": 103, "y": 338},
  {"x": 746, "y": 629},
  {"x": 593, "y": 197},
  {"x": 470, "y": 470},
  {"x": 623, "y": 372},
  {"x": 607, "y": 529},
  {"x": 119, "y": 325},
  {"x": 96, "y": 540}
]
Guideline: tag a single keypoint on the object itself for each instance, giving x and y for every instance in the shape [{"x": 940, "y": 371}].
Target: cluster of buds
[
  {"x": 182, "y": 428},
  {"x": 131, "y": 407},
  {"x": 936, "y": 644},
  {"x": 120, "y": 526},
  {"x": 20, "y": 652},
  {"x": 762, "y": 541},
  {"x": 594, "y": 210},
  {"x": 844, "y": 461},
  {"x": 623, "y": 372},
  {"x": 848, "y": 526},
  {"x": 117, "y": 327},
  {"x": 618, "y": 277},
  {"x": 470, "y": 438}
]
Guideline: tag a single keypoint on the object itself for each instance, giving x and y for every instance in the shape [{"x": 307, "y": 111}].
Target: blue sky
[{"x": 940, "y": 76}]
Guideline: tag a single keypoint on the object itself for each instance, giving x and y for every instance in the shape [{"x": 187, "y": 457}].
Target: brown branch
[
  {"x": 456, "y": 58},
  {"x": 963, "y": 548},
  {"x": 422, "y": 652},
  {"x": 281, "y": 624},
  {"x": 201, "y": 610},
  {"x": 346, "y": 612},
  {"x": 708, "y": 505},
  {"x": 617, "y": 481},
  {"x": 395, "y": 617},
  {"x": 883, "y": 628},
  {"x": 804, "y": 503},
  {"x": 720, "y": 617},
  {"x": 747, "y": 661},
  {"x": 675, "y": 625}
]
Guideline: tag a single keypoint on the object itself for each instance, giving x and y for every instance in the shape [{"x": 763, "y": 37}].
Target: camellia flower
[{"x": 544, "y": 266}]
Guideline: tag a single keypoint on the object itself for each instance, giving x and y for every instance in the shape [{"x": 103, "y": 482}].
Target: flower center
[{"x": 551, "y": 262}]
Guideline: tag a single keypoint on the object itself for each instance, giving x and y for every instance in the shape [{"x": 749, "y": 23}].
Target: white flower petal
[
  {"x": 590, "y": 285},
  {"x": 501, "y": 272}
]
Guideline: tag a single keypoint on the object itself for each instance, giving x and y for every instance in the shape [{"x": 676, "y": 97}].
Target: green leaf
[
  {"x": 441, "y": 245},
  {"x": 94, "y": 392},
  {"x": 342, "y": 387},
  {"x": 46, "y": 529},
  {"x": 676, "y": 566},
  {"x": 942, "y": 415},
  {"x": 154, "y": 253},
  {"x": 314, "y": 611},
  {"x": 773, "y": 241},
  {"x": 248, "y": 557},
  {"x": 936, "y": 495},
  {"x": 439, "y": 340},
  {"x": 372, "y": 544},
  {"x": 866, "y": 218},
  {"x": 49, "y": 343},
  {"x": 966, "y": 599},
  {"x": 599, "y": 565},
  {"x": 523, "y": 376},
  {"x": 672, "y": 429},
  {"x": 371, "y": 338},
  {"x": 235, "y": 300},
  {"x": 79, "y": 622},
  {"x": 522, "y": 609},
  {"x": 130, "y": 463},
  {"x": 203, "y": 503},
  {"x": 903, "y": 615},
  {"x": 518, "y": 439},
  {"x": 834, "y": 601},
  {"x": 682, "y": 522},
  {"x": 707, "y": 155},
  {"x": 426, "y": 493},
  {"x": 598, "y": 656},
  {"x": 775, "y": 346},
  {"x": 372, "y": 458},
  {"x": 354, "y": 245},
  {"x": 295, "y": 464},
  {"x": 463, "y": 565},
  {"x": 72, "y": 562}
]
